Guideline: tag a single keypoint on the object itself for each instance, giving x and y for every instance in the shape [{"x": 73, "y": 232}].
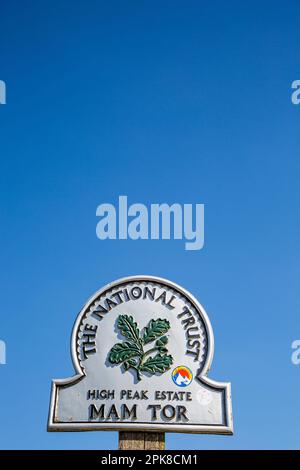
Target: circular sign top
[{"x": 129, "y": 309}]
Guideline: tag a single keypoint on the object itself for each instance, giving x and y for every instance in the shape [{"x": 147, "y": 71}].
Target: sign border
[{"x": 202, "y": 377}]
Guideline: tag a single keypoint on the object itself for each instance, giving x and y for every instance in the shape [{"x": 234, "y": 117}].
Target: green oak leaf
[
  {"x": 131, "y": 353},
  {"x": 129, "y": 328},
  {"x": 159, "y": 363},
  {"x": 155, "y": 329},
  {"x": 122, "y": 351}
]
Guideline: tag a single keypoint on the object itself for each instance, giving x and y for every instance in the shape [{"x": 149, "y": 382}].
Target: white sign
[{"x": 142, "y": 347}]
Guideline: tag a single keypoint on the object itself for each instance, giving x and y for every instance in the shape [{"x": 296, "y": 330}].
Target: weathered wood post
[{"x": 141, "y": 440}]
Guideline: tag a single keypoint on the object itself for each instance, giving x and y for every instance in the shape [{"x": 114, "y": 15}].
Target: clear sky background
[{"x": 169, "y": 101}]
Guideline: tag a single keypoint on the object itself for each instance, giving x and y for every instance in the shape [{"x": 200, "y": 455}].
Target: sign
[{"x": 142, "y": 348}]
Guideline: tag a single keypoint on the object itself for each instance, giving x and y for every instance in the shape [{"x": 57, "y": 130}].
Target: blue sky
[{"x": 184, "y": 102}]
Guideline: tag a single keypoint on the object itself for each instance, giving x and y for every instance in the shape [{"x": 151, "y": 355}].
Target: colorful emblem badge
[{"x": 182, "y": 376}]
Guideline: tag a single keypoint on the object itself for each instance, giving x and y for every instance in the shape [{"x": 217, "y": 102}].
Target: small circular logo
[{"x": 182, "y": 376}]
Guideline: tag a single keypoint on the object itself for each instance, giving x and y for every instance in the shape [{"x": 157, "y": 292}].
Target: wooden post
[{"x": 141, "y": 440}]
